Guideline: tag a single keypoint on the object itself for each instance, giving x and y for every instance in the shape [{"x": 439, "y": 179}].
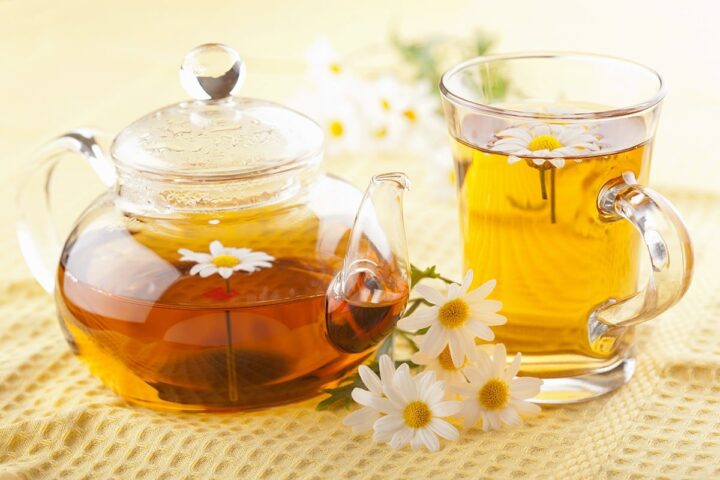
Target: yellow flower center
[
  {"x": 410, "y": 115},
  {"x": 385, "y": 104},
  {"x": 445, "y": 360},
  {"x": 335, "y": 68},
  {"x": 336, "y": 128},
  {"x": 494, "y": 395},
  {"x": 417, "y": 414},
  {"x": 380, "y": 132},
  {"x": 454, "y": 314},
  {"x": 544, "y": 142},
  {"x": 227, "y": 261}
]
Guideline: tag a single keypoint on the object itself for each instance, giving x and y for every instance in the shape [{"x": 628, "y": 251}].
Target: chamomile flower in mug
[
  {"x": 225, "y": 260},
  {"x": 495, "y": 394},
  {"x": 456, "y": 320},
  {"x": 545, "y": 143}
]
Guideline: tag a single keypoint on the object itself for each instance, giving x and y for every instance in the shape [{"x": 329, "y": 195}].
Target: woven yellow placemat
[{"x": 57, "y": 421}]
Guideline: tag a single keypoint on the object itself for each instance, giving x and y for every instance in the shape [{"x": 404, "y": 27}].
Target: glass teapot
[{"x": 222, "y": 269}]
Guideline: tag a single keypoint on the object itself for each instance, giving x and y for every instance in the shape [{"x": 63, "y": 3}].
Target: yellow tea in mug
[{"x": 536, "y": 229}]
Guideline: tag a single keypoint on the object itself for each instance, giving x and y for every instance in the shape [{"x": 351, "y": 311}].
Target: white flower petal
[
  {"x": 526, "y": 409},
  {"x": 387, "y": 368},
  {"x": 513, "y": 369},
  {"x": 429, "y": 439},
  {"x": 424, "y": 381},
  {"x": 371, "y": 381},
  {"x": 484, "y": 365},
  {"x": 481, "y": 292},
  {"x": 457, "y": 350},
  {"x": 207, "y": 270},
  {"x": 470, "y": 413},
  {"x": 361, "y": 420},
  {"x": 225, "y": 272},
  {"x": 446, "y": 409},
  {"x": 444, "y": 429},
  {"x": 383, "y": 437},
  {"x": 216, "y": 248},
  {"x": 434, "y": 341},
  {"x": 499, "y": 359},
  {"x": 509, "y": 416},
  {"x": 541, "y": 130},
  {"x": 467, "y": 281},
  {"x": 476, "y": 376},
  {"x": 490, "y": 319},
  {"x": 558, "y": 162},
  {"x": 519, "y": 132},
  {"x": 430, "y": 294},
  {"x": 388, "y": 423},
  {"x": 433, "y": 394},
  {"x": 453, "y": 291},
  {"x": 509, "y": 148},
  {"x": 525, "y": 387},
  {"x": 480, "y": 330},
  {"x": 469, "y": 346},
  {"x": 197, "y": 267},
  {"x": 511, "y": 141},
  {"x": 491, "y": 421},
  {"x": 362, "y": 396},
  {"x": 420, "y": 318},
  {"x": 513, "y": 159},
  {"x": 406, "y": 386},
  {"x": 401, "y": 438}
]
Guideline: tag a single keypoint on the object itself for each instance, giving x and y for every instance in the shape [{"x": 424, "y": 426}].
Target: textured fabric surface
[
  {"x": 81, "y": 63},
  {"x": 57, "y": 421}
]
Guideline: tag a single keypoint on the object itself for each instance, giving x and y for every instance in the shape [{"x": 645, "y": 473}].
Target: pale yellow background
[{"x": 103, "y": 64}]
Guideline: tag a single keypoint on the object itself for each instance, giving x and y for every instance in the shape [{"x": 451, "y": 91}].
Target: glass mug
[{"x": 551, "y": 153}]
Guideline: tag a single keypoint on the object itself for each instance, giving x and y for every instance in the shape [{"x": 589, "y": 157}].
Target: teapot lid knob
[{"x": 212, "y": 71}]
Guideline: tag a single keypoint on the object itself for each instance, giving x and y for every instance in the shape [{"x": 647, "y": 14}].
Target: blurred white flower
[
  {"x": 337, "y": 115},
  {"x": 324, "y": 63}
]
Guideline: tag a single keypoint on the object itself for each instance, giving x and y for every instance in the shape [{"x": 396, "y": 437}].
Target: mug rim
[{"x": 612, "y": 113}]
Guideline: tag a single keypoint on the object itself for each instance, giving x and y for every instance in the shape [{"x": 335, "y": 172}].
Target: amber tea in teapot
[{"x": 223, "y": 270}]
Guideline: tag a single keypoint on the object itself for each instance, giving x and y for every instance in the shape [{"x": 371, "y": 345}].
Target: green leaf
[{"x": 416, "y": 275}]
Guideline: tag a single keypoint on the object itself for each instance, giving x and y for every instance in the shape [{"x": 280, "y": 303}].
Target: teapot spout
[{"x": 368, "y": 296}]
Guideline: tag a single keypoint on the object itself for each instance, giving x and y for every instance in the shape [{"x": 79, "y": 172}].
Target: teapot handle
[{"x": 39, "y": 238}]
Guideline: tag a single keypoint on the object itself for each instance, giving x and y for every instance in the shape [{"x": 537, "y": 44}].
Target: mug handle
[
  {"x": 671, "y": 258},
  {"x": 39, "y": 238}
]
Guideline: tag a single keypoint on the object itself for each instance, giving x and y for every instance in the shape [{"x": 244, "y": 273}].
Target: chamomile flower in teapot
[{"x": 222, "y": 269}]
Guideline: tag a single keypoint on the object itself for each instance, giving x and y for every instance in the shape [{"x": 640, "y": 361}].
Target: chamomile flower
[
  {"x": 338, "y": 116},
  {"x": 456, "y": 320},
  {"x": 414, "y": 411},
  {"x": 225, "y": 260},
  {"x": 545, "y": 143},
  {"x": 323, "y": 62},
  {"x": 495, "y": 394},
  {"x": 362, "y": 420}
]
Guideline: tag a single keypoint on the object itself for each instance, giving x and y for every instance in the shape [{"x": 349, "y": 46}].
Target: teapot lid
[{"x": 218, "y": 134}]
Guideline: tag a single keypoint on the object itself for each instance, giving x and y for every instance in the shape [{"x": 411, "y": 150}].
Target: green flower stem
[
  {"x": 230, "y": 357},
  {"x": 552, "y": 195},
  {"x": 543, "y": 188}
]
